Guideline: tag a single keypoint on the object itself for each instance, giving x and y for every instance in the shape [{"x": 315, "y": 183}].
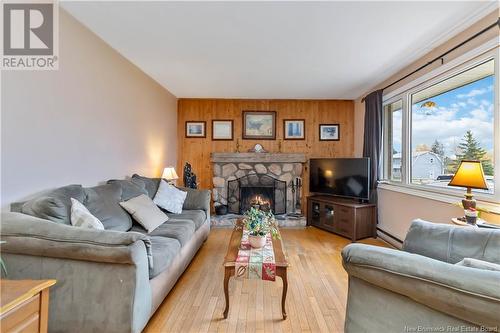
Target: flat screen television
[{"x": 343, "y": 177}]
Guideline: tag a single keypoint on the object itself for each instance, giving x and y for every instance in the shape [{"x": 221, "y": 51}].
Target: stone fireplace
[{"x": 243, "y": 179}]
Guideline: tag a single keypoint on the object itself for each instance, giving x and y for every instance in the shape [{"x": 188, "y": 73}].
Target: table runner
[{"x": 255, "y": 263}]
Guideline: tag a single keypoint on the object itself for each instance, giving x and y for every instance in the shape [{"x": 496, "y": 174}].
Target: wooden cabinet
[
  {"x": 344, "y": 217},
  {"x": 24, "y": 305}
]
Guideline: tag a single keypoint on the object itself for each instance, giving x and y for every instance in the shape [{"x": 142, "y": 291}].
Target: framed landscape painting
[
  {"x": 294, "y": 129},
  {"x": 222, "y": 130},
  {"x": 329, "y": 132},
  {"x": 259, "y": 125},
  {"x": 195, "y": 129}
]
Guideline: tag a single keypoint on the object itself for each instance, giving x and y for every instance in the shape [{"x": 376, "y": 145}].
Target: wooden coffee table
[{"x": 230, "y": 263}]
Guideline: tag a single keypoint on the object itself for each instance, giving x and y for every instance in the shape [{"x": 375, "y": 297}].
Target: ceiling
[{"x": 279, "y": 50}]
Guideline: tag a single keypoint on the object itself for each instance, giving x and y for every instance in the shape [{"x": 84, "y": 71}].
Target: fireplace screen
[{"x": 254, "y": 190}]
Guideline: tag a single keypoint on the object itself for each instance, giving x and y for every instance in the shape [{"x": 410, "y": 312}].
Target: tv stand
[{"x": 347, "y": 217}]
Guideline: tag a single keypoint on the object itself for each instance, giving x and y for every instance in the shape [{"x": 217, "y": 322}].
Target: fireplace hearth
[{"x": 257, "y": 190}]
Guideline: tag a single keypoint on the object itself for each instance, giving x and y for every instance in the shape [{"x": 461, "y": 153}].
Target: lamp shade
[
  {"x": 469, "y": 174},
  {"x": 169, "y": 174}
]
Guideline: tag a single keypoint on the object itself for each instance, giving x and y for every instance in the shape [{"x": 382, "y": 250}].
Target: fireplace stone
[{"x": 230, "y": 166}]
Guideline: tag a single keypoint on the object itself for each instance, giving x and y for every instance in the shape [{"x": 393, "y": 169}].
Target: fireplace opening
[
  {"x": 258, "y": 197},
  {"x": 254, "y": 190}
]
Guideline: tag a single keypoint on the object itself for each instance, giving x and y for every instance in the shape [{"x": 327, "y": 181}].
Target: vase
[{"x": 257, "y": 241}]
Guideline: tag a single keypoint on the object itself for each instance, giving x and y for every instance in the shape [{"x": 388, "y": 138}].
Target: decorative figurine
[
  {"x": 258, "y": 148},
  {"x": 189, "y": 177}
]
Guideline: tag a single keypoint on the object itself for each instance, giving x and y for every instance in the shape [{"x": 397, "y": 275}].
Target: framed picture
[
  {"x": 222, "y": 130},
  {"x": 329, "y": 132},
  {"x": 195, "y": 129},
  {"x": 294, "y": 129},
  {"x": 259, "y": 125}
]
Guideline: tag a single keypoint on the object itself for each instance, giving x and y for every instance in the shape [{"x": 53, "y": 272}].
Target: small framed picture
[
  {"x": 195, "y": 129},
  {"x": 294, "y": 129},
  {"x": 259, "y": 125},
  {"x": 222, "y": 130},
  {"x": 329, "y": 132}
]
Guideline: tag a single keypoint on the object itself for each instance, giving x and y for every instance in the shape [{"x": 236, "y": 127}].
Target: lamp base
[{"x": 468, "y": 203}]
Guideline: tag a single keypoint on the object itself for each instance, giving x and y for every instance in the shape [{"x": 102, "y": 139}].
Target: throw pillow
[
  {"x": 81, "y": 217},
  {"x": 170, "y": 198},
  {"x": 480, "y": 264},
  {"x": 145, "y": 212}
]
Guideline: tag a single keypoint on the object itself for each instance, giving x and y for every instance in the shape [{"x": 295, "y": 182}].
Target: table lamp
[
  {"x": 470, "y": 175},
  {"x": 169, "y": 175}
]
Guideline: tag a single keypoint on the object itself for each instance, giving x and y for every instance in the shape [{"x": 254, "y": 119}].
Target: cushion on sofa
[
  {"x": 81, "y": 217},
  {"x": 131, "y": 188},
  {"x": 164, "y": 251},
  {"x": 103, "y": 202},
  {"x": 150, "y": 184},
  {"x": 182, "y": 230},
  {"x": 196, "y": 198},
  {"x": 169, "y": 198},
  {"x": 54, "y": 205},
  {"x": 145, "y": 212},
  {"x": 197, "y": 216}
]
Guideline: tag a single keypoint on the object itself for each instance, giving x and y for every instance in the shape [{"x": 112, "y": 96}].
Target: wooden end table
[
  {"x": 230, "y": 263},
  {"x": 24, "y": 305}
]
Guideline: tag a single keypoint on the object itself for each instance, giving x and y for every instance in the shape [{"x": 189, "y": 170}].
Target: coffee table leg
[
  {"x": 282, "y": 273},
  {"x": 227, "y": 275}
]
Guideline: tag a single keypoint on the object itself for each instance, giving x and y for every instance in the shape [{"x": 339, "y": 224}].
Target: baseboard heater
[{"x": 390, "y": 236}]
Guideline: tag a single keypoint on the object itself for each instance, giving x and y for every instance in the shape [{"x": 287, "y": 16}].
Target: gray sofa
[
  {"x": 109, "y": 280},
  {"x": 420, "y": 288}
]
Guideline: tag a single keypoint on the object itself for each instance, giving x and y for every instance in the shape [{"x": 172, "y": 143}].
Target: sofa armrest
[
  {"x": 452, "y": 243},
  {"x": 197, "y": 199},
  {"x": 463, "y": 292},
  {"x": 25, "y": 234}
]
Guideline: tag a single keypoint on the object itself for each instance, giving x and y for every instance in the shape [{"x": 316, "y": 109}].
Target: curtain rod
[{"x": 440, "y": 57}]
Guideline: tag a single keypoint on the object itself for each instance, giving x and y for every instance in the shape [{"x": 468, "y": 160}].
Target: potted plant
[{"x": 260, "y": 223}]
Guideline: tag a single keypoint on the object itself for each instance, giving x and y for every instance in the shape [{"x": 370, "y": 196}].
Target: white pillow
[
  {"x": 145, "y": 212},
  {"x": 169, "y": 197},
  {"x": 81, "y": 217}
]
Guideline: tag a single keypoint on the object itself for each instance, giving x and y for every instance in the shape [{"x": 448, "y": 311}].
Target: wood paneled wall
[{"x": 197, "y": 150}]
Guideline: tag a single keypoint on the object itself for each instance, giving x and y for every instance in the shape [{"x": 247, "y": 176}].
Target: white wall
[{"x": 97, "y": 117}]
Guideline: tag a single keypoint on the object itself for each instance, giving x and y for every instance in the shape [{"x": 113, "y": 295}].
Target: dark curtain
[{"x": 372, "y": 146}]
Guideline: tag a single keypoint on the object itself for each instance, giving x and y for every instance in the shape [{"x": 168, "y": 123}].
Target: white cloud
[
  {"x": 476, "y": 92},
  {"x": 480, "y": 114},
  {"x": 447, "y": 127},
  {"x": 472, "y": 101}
]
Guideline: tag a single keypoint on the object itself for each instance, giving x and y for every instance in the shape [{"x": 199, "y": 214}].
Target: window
[
  {"x": 431, "y": 127},
  {"x": 394, "y": 133}
]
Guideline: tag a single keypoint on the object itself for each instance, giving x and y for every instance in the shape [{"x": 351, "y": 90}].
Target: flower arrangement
[{"x": 260, "y": 223}]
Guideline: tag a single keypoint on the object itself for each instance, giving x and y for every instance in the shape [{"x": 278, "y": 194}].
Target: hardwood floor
[{"x": 317, "y": 290}]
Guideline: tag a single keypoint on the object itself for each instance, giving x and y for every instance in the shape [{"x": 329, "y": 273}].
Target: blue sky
[{"x": 466, "y": 108}]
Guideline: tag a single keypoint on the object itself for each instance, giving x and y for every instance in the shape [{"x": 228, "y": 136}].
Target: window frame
[{"x": 486, "y": 52}]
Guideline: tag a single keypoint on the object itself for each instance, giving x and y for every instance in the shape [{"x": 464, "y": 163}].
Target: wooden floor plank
[{"x": 317, "y": 290}]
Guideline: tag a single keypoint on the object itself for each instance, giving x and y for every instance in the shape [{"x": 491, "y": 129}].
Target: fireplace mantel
[{"x": 258, "y": 158}]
